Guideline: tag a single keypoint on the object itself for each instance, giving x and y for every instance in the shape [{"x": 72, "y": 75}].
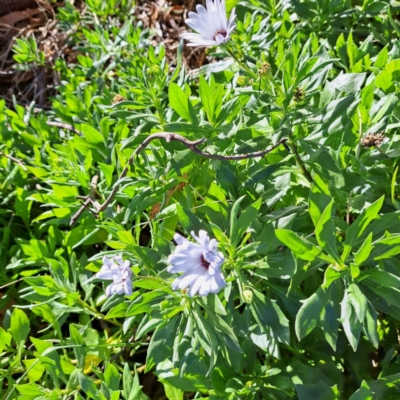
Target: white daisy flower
[
  {"x": 211, "y": 24},
  {"x": 117, "y": 270},
  {"x": 200, "y": 262}
]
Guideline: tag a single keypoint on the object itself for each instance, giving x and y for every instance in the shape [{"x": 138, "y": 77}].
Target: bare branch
[
  {"x": 89, "y": 199},
  {"x": 64, "y": 126},
  {"x": 192, "y": 145},
  {"x": 16, "y": 160}
]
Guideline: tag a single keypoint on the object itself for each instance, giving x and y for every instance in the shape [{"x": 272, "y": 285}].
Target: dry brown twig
[
  {"x": 168, "y": 137},
  {"x": 16, "y": 160},
  {"x": 62, "y": 125},
  {"x": 89, "y": 199}
]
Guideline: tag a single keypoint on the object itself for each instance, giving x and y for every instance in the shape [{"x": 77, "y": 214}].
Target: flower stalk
[
  {"x": 299, "y": 161},
  {"x": 242, "y": 64}
]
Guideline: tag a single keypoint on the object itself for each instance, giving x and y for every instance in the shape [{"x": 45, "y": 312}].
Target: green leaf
[
  {"x": 364, "y": 393},
  {"x": 358, "y": 301},
  {"x": 350, "y": 321},
  {"x": 331, "y": 275},
  {"x": 149, "y": 257},
  {"x": 144, "y": 303},
  {"x": 226, "y": 333},
  {"x": 270, "y": 317},
  {"x": 108, "y": 172},
  {"x": 190, "y": 222},
  {"x": 172, "y": 392},
  {"x": 370, "y": 327},
  {"x": 30, "y": 391},
  {"x": 208, "y": 340},
  {"x": 341, "y": 49},
  {"x": 5, "y": 339},
  {"x": 364, "y": 251},
  {"x": 112, "y": 377},
  {"x": 246, "y": 218},
  {"x": 127, "y": 381},
  {"x": 215, "y": 304},
  {"x": 216, "y": 206},
  {"x": 381, "y": 58},
  {"x": 309, "y": 315},
  {"x": 325, "y": 233},
  {"x": 300, "y": 246},
  {"x": 161, "y": 344},
  {"x": 319, "y": 199},
  {"x": 79, "y": 351},
  {"x": 92, "y": 135},
  {"x": 35, "y": 369},
  {"x": 355, "y": 230},
  {"x": 318, "y": 391},
  {"x": 179, "y": 101},
  {"x": 19, "y": 327},
  {"x": 331, "y": 314},
  {"x": 207, "y": 98},
  {"x": 88, "y": 386},
  {"x": 383, "y": 283},
  {"x": 352, "y": 50}
]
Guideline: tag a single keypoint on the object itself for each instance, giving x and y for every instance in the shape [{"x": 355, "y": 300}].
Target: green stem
[
  {"x": 299, "y": 161},
  {"x": 242, "y": 64},
  {"x": 95, "y": 312}
]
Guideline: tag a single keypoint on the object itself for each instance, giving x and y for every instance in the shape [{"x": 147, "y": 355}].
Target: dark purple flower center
[
  {"x": 204, "y": 262},
  {"x": 222, "y": 33}
]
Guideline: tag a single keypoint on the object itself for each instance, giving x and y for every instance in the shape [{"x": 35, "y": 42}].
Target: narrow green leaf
[
  {"x": 79, "y": 350},
  {"x": 300, "y": 246},
  {"x": 351, "y": 324},
  {"x": 309, "y": 315},
  {"x": 240, "y": 225},
  {"x": 319, "y": 199},
  {"x": 325, "y": 233},
  {"x": 233, "y": 216},
  {"x": 358, "y": 301},
  {"x": 370, "y": 327},
  {"x": 355, "y": 230},
  {"x": 207, "y": 99},
  {"x": 88, "y": 386},
  {"x": 112, "y": 377},
  {"x": 190, "y": 221},
  {"x": 270, "y": 317},
  {"x": 364, "y": 251}
]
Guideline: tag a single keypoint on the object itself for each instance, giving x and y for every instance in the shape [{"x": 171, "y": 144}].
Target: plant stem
[
  {"x": 242, "y": 64},
  {"x": 95, "y": 312},
  {"x": 299, "y": 161}
]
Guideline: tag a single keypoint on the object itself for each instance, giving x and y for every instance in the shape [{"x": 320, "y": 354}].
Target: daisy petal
[
  {"x": 105, "y": 274},
  {"x": 197, "y": 284},
  {"x": 200, "y": 264},
  {"x": 179, "y": 239},
  {"x": 211, "y": 23}
]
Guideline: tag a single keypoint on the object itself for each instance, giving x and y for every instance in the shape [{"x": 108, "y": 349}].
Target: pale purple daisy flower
[
  {"x": 117, "y": 270},
  {"x": 200, "y": 263},
  {"x": 211, "y": 24}
]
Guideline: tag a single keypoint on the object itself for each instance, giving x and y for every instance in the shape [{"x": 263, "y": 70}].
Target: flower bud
[
  {"x": 242, "y": 80},
  {"x": 264, "y": 68},
  {"x": 298, "y": 94},
  {"x": 247, "y": 295},
  {"x": 153, "y": 71},
  {"x": 118, "y": 98},
  {"x": 164, "y": 305}
]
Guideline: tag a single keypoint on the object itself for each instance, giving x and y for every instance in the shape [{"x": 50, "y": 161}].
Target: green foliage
[{"x": 310, "y": 232}]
